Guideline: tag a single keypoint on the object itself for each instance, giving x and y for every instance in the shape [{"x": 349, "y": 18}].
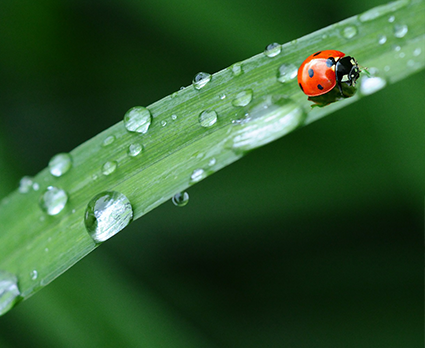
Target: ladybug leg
[{"x": 340, "y": 88}]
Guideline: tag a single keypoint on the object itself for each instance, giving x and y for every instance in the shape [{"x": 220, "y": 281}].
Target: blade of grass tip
[{"x": 85, "y": 197}]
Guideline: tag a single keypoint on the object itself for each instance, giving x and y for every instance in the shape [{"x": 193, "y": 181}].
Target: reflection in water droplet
[
  {"x": 108, "y": 140},
  {"x": 25, "y": 184},
  {"x": 134, "y": 149},
  {"x": 180, "y": 199},
  {"x": 201, "y": 79},
  {"x": 272, "y": 50},
  {"x": 369, "y": 85},
  {"x": 207, "y": 118},
  {"x": 382, "y": 39},
  {"x": 243, "y": 98},
  {"x": 53, "y": 200},
  {"x": 287, "y": 72},
  {"x": 137, "y": 119},
  {"x": 107, "y": 214},
  {"x": 109, "y": 167},
  {"x": 264, "y": 121},
  {"x": 60, "y": 164},
  {"x": 349, "y": 32},
  {"x": 197, "y": 175},
  {"x": 9, "y": 291},
  {"x": 400, "y": 30}
]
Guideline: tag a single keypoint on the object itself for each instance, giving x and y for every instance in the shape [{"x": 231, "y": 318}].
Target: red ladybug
[{"x": 321, "y": 71}]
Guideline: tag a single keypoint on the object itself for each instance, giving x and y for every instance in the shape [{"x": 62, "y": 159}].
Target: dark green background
[{"x": 312, "y": 241}]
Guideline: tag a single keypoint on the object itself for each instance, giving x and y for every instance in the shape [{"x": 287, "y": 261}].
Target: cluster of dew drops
[{"x": 109, "y": 212}]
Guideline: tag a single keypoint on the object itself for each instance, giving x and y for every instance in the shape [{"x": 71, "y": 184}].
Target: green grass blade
[{"x": 37, "y": 248}]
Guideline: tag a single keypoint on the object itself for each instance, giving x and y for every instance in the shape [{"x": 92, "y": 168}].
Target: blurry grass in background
[{"x": 310, "y": 241}]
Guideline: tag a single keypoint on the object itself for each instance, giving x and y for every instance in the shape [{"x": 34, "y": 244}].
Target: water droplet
[
  {"x": 35, "y": 186},
  {"x": 198, "y": 175},
  {"x": 397, "y": 48},
  {"x": 401, "y": 54},
  {"x": 237, "y": 69},
  {"x": 400, "y": 30},
  {"x": 243, "y": 98},
  {"x": 387, "y": 68},
  {"x": 391, "y": 19},
  {"x": 264, "y": 121},
  {"x": 382, "y": 39},
  {"x": 34, "y": 274},
  {"x": 349, "y": 32},
  {"x": 201, "y": 79},
  {"x": 53, "y": 200},
  {"x": 137, "y": 119},
  {"x": 411, "y": 63},
  {"x": 207, "y": 118},
  {"x": 212, "y": 161},
  {"x": 371, "y": 85},
  {"x": 417, "y": 51},
  {"x": 25, "y": 184},
  {"x": 272, "y": 50},
  {"x": 163, "y": 123},
  {"x": 107, "y": 214},
  {"x": 180, "y": 199},
  {"x": 222, "y": 96},
  {"x": 9, "y": 291},
  {"x": 174, "y": 117},
  {"x": 109, "y": 167},
  {"x": 134, "y": 149},
  {"x": 60, "y": 164},
  {"x": 108, "y": 140},
  {"x": 287, "y": 72}
]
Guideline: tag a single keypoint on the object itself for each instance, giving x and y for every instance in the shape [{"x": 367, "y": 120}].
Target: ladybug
[{"x": 324, "y": 70}]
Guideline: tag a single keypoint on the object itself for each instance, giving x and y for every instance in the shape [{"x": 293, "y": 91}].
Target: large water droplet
[
  {"x": 134, "y": 149},
  {"x": 369, "y": 85},
  {"x": 266, "y": 120},
  {"x": 53, "y": 200},
  {"x": 109, "y": 167},
  {"x": 60, "y": 164},
  {"x": 198, "y": 175},
  {"x": 272, "y": 50},
  {"x": 180, "y": 199},
  {"x": 137, "y": 119},
  {"x": 9, "y": 291},
  {"x": 349, "y": 32},
  {"x": 201, "y": 79},
  {"x": 243, "y": 98},
  {"x": 25, "y": 184},
  {"x": 400, "y": 30},
  {"x": 287, "y": 72},
  {"x": 207, "y": 118},
  {"x": 107, "y": 214}
]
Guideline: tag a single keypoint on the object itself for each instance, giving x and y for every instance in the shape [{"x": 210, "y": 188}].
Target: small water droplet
[
  {"x": 94, "y": 177},
  {"x": 212, "y": 161},
  {"x": 272, "y": 50},
  {"x": 134, "y": 149},
  {"x": 387, "y": 68},
  {"x": 201, "y": 79},
  {"x": 402, "y": 54},
  {"x": 163, "y": 123},
  {"x": 349, "y": 32},
  {"x": 137, "y": 119},
  {"x": 397, "y": 48},
  {"x": 417, "y": 51},
  {"x": 35, "y": 186},
  {"x": 207, "y": 118},
  {"x": 174, "y": 117},
  {"x": 53, "y": 200},
  {"x": 108, "y": 140},
  {"x": 222, "y": 96},
  {"x": 25, "y": 184},
  {"x": 371, "y": 85},
  {"x": 411, "y": 63},
  {"x": 180, "y": 199},
  {"x": 109, "y": 167},
  {"x": 287, "y": 72},
  {"x": 197, "y": 175},
  {"x": 243, "y": 98},
  {"x": 107, "y": 213},
  {"x": 391, "y": 19},
  {"x": 237, "y": 69},
  {"x": 34, "y": 274},
  {"x": 60, "y": 164},
  {"x": 382, "y": 39},
  {"x": 9, "y": 291},
  {"x": 400, "y": 30}
]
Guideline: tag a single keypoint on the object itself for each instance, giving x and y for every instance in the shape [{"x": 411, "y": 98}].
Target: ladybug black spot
[
  {"x": 317, "y": 53},
  {"x": 301, "y": 87},
  {"x": 320, "y": 87},
  {"x": 310, "y": 72},
  {"x": 330, "y": 62}
]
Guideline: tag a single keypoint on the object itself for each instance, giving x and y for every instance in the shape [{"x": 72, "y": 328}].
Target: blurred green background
[{"x": 312, "y": 241}]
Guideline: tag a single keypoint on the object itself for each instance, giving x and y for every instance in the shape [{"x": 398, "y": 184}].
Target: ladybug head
[{"x": 346, "y": 71}]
